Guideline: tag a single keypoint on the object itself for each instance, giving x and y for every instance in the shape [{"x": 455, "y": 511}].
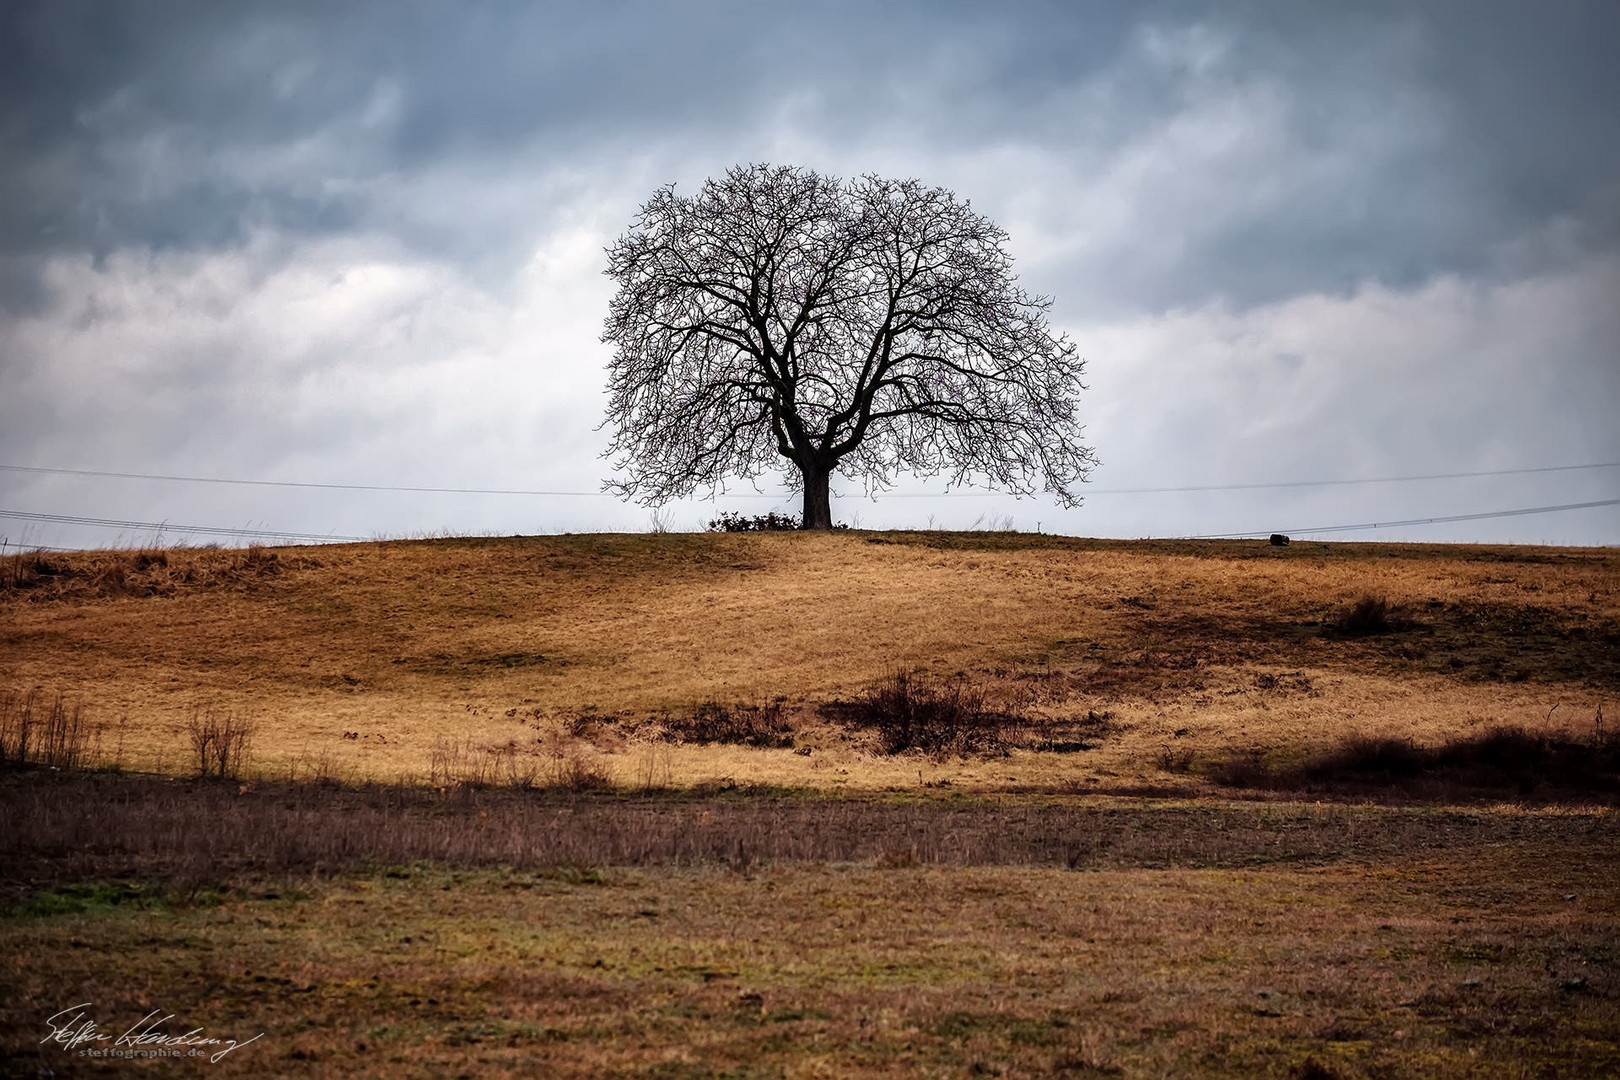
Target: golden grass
[{"x": 359, "y": 660}]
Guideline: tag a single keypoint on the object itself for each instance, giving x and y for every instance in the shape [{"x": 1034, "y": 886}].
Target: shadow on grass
[{"x": 1505, "y": 762}]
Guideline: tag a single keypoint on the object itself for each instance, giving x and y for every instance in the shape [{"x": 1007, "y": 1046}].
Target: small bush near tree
[{"x": 732, "y": 522}]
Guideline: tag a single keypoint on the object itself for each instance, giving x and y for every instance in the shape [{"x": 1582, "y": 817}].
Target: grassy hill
[{"x": 376, "y": 660}]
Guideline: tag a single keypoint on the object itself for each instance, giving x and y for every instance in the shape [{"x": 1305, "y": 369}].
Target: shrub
[
  {"x": 1365, "y": 755},
  {"x": 28, "y": 569},
  {"x": 57, "y": 735},
  {"x": 458, "y": 763},
  {"x": 732, "y": 522},
  {"x": 745, "y": 725},
  {"x": 1370, "y": 615},
  {"x": 219, "y": 742},
  {"x": 914, "y": 712}
]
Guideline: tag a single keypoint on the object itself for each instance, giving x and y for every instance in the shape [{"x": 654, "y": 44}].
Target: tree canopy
[{"x": 784, "y": 320}]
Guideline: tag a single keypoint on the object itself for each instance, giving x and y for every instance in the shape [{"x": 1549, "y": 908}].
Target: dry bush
[
  {"x": 741, "y": 725},
  {"x": 519, "y": 769},
  {"x": 29, "y": 569},
  {"x": 1371, "y": 615},
  {"x": 939, "y": 717},
  {"x": 318, "y": 770},
  {"x": 83, "y": 575},
  {"x": 731, "y": 521},
  {"x": 1504, "y": 760},
  {"x": 1312, "y": 1069},
  {"x": 55, "y": 735},
  {"x": 220, "y": 742}
]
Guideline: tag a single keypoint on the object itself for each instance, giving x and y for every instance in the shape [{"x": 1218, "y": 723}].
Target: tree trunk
[{"x": 817, "y": 503}]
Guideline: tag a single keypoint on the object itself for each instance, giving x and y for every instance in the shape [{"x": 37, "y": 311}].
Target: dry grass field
[
  {"x": 364, "y": 661},
  {"x": 856, "y": 804}
]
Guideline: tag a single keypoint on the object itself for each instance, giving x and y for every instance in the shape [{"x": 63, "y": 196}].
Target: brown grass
[
  {"x": 513, "y": 640},
  {"x": 44, "y": 577},
  {"x": 74, "y": 827},
  {"x": 1464, "y": 962}
]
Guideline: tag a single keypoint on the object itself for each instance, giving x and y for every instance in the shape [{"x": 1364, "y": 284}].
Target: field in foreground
[
  {"x": 619, "y": 806},
  {"x": 392, "y": 932}
]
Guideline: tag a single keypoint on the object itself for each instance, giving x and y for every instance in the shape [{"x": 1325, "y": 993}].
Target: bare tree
[{"x": 780, "y": 316}]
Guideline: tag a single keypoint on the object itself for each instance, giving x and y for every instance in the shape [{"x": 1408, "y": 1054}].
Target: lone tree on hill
[{"x": 873, "y": 326}]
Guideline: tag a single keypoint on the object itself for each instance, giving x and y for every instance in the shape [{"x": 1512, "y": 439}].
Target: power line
[
  {"x": 1285, "y": 483},
  {"x": 891, "y": 495},
  {"x": 214, "y": 530},
  {"x": 1365, "y": 480},
  {"x": 161, "y": 526},
  {"x": 1413, "y": 521},
  {"x": 290, "y": 483}
]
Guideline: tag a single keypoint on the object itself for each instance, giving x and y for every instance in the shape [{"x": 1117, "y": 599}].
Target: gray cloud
[
  {"x": 1361, "y": 143},
  {"x": 362, "y": 241}
]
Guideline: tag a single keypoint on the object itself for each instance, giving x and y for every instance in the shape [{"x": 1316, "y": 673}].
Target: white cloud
[
  {"x": 1454, "y": 376},
  {"x": 347, "y": 361}
]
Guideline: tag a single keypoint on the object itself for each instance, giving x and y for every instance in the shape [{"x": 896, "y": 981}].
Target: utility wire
[
  {"x": 891, "y": 495},
  {"x": 209, "y": 530},
  {"x": 1364, "y": 480},
  {"x": 1281, "y": 483},
  {"x": 289, "y": 483},
  {"x": 1412, "y": 521},
  {"x": 214, "y": 530}
]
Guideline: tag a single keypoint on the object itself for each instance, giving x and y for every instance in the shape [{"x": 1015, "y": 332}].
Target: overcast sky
[{"x": 362, "y": 243}]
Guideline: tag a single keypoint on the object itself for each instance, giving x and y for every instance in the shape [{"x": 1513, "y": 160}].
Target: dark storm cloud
[{"x": 1404, "y": 141}]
